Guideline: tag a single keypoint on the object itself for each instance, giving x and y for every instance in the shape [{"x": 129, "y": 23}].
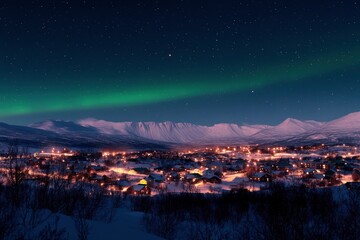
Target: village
[{"x": 203, "y": 170}]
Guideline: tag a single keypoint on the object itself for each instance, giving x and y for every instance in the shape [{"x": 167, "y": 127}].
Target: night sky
[{"x": 202, "y": 62}]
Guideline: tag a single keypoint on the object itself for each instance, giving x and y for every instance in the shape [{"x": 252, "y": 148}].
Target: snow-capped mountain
[
  {"x": 100, "y": 133},
  {"x": 350, "y": 122},
  {"x": 343, "y": 129},
  {"x": 173, "y": 132},
  {"x": 164, "y": 131},
  {"x": 63, "y": 127},
  {"x": 288, "y": 128}
]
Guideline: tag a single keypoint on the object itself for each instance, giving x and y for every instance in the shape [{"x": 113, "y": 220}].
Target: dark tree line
[{"x": 280, "y": 213}]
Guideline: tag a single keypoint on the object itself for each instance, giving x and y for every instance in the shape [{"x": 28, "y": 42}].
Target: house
[
  {"x": 212, "y": 179},
  {"x": 173, "y": 176},
  {"x": 298, "y": 172},
  {"x": 153, "y": 177},
  {"x": 95, "y": 178},
  {"x": 331, "y": 178},
  {"x": 309, "y": 172},
  {"x": 325, "y": 165},
  {"x": 306, "y": 162},
  {"x": 123, "y": 184},
  {"x": 284, "y": 165},
  {"x": 216, "y": 166},
  {"x": 278, "y": 174},
  {"x": 330, "y": 174},
  {"x": 210, "y": 173},
  {"x": 193, "y": 178},
  {"x": 251, "y": 167},
  {"x": 340, "y": 164},
  {"x": 318, "y": 177},
  {"x": 265, "y": 168},
  {"x": 238, "y": 165},
  {"x": 96, "y": 168},
  {"x": 141, "y": 170},
  {"x": 139, "y": 189},
  {"x": 260, "y": 177},
  {"x": 178, "y": 168}
]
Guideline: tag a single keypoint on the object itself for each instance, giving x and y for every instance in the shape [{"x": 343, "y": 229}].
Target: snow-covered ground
[{"x": 126, "y": 225}]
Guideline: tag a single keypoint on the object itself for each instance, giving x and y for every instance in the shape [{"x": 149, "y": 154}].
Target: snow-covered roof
[
  {"x": 157, "y": 177},
  {"x": 309, "y": 170},
  {"x": 138, "y": 187},
  {"x": 318, "y": 176},
  {"x": 259, "y": 174}
]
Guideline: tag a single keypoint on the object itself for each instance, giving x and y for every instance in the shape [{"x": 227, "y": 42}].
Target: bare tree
[
  {"x": 81, "y": 225},
  {"x": 16, "y": 172},
  {"x": 52, "y": 232}
]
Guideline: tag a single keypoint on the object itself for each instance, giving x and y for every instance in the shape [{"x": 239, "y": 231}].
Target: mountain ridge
[{"x": 94, "y": 132}]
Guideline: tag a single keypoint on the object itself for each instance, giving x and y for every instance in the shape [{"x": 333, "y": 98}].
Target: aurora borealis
[{"x": 184, "y": 61}]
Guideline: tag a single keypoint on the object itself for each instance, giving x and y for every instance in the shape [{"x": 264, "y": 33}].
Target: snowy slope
[
  {"x": 24, "y": 134},
  {"x": 63, "y": 127},
  {"x": 126, "y": 225},
  {"x": 350, "y": 122},
  {"x": 345, "y": 129},
  {"x": 288, "y": 128}
]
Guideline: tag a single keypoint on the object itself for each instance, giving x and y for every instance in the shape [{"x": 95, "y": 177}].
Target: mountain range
[{"x": 102, "y": 134}]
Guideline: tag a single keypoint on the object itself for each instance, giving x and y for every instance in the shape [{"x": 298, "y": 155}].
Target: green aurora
[{"x": 65, "y": 97}]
